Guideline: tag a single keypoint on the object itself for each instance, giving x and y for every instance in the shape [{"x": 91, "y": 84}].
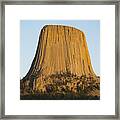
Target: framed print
[{"x": 60, "y": 59}]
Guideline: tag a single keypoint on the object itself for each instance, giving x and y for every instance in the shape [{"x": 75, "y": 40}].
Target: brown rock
[{"x": 61, "y": 49}]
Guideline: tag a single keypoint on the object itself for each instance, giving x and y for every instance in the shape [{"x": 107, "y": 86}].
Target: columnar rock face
[{"x": 61, "y": 49}]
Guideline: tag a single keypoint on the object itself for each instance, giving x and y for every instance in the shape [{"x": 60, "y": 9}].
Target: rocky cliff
[{"x": 62, "y": 55}]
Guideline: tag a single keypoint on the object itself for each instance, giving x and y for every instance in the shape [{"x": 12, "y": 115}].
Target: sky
[{"x": 30, "y": 30}]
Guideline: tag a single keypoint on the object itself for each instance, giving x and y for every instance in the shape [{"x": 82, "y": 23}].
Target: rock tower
[{"x": 61, "y": 49}]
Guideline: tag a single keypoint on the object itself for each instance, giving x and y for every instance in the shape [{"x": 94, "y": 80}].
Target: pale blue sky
[{"x": 30, "y": 30}]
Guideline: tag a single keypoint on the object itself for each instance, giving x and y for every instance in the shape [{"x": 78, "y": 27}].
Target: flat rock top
[{"x": 61, "y": 26}]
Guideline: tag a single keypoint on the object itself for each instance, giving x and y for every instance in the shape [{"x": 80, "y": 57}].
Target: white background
[{"x": 13, "y": 15}]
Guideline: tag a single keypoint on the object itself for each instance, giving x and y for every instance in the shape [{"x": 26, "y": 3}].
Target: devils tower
[{"x": 61, "y": 68}]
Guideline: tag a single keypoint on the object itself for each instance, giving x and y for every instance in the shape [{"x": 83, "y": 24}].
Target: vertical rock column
[{"x": 60, "y": 49}]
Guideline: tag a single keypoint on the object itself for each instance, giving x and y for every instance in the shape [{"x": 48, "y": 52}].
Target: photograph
[{"x": 59, "y": 60}]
